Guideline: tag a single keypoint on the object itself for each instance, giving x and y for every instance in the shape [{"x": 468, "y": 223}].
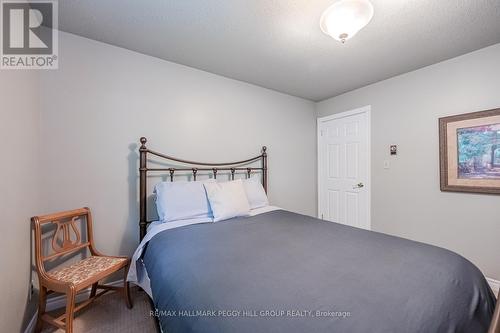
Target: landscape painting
[
  {"x": 479, "y": 152},
  {"x": 469, "y": 152}
]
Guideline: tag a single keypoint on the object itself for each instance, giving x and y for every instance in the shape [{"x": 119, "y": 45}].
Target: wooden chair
[{"x": 78, "y": 276}]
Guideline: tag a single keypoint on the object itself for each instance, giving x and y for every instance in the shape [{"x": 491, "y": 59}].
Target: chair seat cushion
[{"x": 86, "y": 269}]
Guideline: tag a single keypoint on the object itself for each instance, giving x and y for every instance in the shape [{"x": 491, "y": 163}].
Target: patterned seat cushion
[{"x": 85, "y": 269}]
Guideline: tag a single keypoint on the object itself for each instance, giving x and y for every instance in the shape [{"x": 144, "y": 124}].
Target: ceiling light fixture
[{"x": 345, "y": 18}]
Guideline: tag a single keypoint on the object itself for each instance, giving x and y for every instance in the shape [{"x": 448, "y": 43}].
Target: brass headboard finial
[
  {"x": 143, "y": 142},
  {"x": 264, "y": 149}
]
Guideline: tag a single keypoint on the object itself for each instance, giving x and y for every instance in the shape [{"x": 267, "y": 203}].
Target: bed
[{"x": 284, "y": 272}]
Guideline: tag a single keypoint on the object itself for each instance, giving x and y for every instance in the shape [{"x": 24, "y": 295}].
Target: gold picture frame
[{"x": 469, "y": 149}]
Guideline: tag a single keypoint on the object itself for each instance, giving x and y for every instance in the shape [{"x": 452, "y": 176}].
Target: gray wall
[
  {"x": 103, "y": 98},
  {"x": 19, "y": 194},
  {"x": 406, "y": 200}
]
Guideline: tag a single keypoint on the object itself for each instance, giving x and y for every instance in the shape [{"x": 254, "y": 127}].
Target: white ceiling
[{"x": 278, "y": 44}]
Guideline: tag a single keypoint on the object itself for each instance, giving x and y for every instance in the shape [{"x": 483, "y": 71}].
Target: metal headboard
[{"x": 194, "y": 168}]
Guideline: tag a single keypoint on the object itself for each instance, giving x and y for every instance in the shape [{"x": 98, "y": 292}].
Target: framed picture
[{"x": 469, "y": 148}]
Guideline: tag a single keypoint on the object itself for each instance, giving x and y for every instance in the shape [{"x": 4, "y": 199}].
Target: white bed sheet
[{"x": 138, "y": 274}]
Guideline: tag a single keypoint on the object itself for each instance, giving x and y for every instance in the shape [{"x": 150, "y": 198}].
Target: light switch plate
[{"x": 387, "y": 164}]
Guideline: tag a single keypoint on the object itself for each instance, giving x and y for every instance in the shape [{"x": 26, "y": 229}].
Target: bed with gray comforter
[{"x": 285, "y": 272}]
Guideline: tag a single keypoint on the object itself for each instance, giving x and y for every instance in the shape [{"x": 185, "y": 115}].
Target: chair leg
[
  {"x": 42, "y": 302},
  {"x": 126, "y": 289},
  {"x": 93, "y": 290},
  {"x": 70, "y": 307}
]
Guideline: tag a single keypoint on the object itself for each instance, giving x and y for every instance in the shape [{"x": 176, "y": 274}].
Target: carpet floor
[{"x": 110, "y": 314}]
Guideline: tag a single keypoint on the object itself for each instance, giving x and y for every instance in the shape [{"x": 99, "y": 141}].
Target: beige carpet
[{"x": 110, "y": 314}]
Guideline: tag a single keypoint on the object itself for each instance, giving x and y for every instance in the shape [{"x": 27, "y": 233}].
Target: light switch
[{"x": 387, "y": 164}]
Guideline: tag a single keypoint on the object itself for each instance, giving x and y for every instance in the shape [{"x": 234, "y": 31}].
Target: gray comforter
[{"x": 285, "y": 272}]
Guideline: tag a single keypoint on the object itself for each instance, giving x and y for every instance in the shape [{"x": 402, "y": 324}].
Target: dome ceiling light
[{"x": 345, "y": 18}]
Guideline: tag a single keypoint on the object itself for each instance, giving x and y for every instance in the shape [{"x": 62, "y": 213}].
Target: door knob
[{"x": 358, "y": 185}]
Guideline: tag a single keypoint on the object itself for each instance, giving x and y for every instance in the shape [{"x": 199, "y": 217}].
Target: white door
[{"x": 344, "y": 168}]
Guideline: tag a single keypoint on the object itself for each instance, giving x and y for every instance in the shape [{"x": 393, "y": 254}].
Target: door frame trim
[{"x": 366, "y": 110}]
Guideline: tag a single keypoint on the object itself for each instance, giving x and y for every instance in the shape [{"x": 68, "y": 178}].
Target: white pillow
[
  {"x": 255, "y": 192},
  {"x": 182, "y": 200},
  {"x": 227, "y": 199}
]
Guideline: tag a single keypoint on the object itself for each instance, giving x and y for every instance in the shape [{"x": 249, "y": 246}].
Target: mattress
[{"x": 285, "y": 272}]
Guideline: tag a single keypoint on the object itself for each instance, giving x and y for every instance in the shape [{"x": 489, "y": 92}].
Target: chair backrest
[{"x": 66, "y": 238}]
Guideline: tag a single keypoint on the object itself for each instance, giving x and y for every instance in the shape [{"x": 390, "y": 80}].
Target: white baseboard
[
  {"x": 494, "y": 284},
  {"x": 59, "y": 301}
]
